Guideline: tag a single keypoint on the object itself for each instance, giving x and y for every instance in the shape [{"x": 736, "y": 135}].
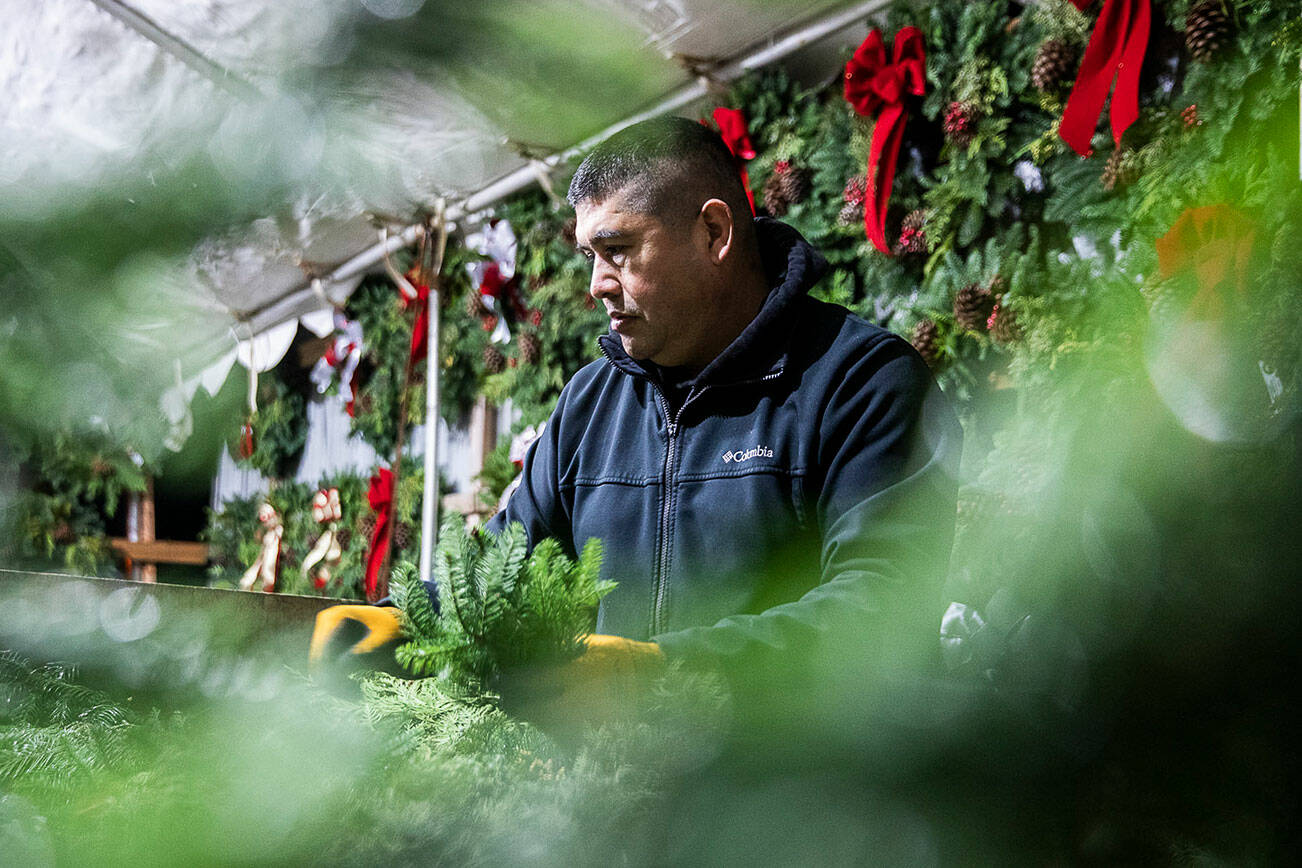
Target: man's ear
[{"x": 719, "y": 231}]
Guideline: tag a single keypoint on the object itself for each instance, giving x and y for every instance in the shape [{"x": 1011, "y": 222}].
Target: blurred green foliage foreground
[{"x": 1111, "y": 684}]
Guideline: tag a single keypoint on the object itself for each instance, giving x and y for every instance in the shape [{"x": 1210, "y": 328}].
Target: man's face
[{"x": 647, "y": 275}]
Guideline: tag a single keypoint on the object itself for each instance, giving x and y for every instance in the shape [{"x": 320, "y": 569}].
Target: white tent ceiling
[{"x": 344, "y": 108}]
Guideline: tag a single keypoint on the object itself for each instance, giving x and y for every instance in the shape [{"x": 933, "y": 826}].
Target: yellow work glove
[
  {"x": 597, "y": 687},
  {"x": 355, "y": 637}
]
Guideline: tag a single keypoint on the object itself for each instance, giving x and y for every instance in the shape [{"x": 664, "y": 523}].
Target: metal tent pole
[
  {"x": 179, "y": 48},
  {"x": 433, "y": 366}
]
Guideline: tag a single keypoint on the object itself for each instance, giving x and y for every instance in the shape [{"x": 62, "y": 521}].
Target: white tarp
[{"x": 345, "y": 130}]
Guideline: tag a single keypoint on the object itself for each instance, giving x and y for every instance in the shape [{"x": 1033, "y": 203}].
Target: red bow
[
  {"x": 872, "y": 85},
  {"x": 333, "y": 359},
  {"x": 380, "y": 496},
  {"x": 1215, "y": 243},
  {"x": 732, "y": 126},
  {"x": 493, "y": 284},
  {"x": 1115, "y": 52}
]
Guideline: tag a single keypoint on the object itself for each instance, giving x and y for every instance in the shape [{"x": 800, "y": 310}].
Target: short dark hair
[{"x": 667, "y": 166}]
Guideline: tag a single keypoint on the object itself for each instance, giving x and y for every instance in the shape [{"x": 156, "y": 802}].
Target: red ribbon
[
  {"x": 732, "y": 126},
  {"x": 419, "y": 331},
  {"x": 1215, "y": 243},
  {"x": 873, "y": 86},
  {"x": 1115, "y": 52},
  {"x": 380, "y": 496},
  {"x": 246, "y": 441}
]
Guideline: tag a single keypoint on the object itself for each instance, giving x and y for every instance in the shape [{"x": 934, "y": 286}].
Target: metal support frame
[
  {"x": 300, "y": 300},
  {"x": 433, "y": 367}
]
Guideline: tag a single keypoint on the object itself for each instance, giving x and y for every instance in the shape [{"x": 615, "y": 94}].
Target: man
[
  {"x": 771, "y": 476},
  {"x": 767, "y": 472}
]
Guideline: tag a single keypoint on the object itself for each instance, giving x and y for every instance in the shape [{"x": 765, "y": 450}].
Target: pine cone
[
  {"x": 913, "y": 234},
  {"x": 402, "y": 535},
  {"x": 344, "y": 536},
  {"x": 365, "y": 403},
  {"x": 1121, "y": 170},
  {"x": 62, "y": 533},
  {"x": 926, "y": 341},
  {"x": 494, "y": 361},
  {"x": 1206, "y": 29},
  {"x": 1003, "y": 324},
  {"x": 775, "y": 195},
  {"x": 792, "y": 184},
  {"x": 366, "y": 527},
  {"x": 475, "y": 305},
  {"x": 973, "y": 305},
  {"x": 855, "y": 190},
  {"x": 1053, "y": 65},
  {"x": 960, "y": 123},
  {"x": 530, "y": 348},
  {"x": 798, "y": 181}
]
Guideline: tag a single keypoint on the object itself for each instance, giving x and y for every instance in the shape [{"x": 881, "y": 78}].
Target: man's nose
[{"x": 603, "y": 284}]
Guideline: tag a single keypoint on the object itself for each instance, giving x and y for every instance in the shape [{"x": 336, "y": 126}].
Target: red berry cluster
[{"x": 855, "y": 191}]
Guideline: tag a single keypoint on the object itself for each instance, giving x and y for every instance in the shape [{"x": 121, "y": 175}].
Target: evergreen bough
[
  {"x": 500, "y": 607},
  {"x": 53, "y": 729}
]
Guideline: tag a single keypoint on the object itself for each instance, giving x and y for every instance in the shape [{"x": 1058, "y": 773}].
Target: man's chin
[{"x": 636, "y": 350}]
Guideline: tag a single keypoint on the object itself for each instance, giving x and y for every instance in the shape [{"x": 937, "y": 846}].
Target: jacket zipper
[
  {"x": 660, "y": 577},
  {"x": 658, "y": 582},
  {"x": 666, "y": 514}
]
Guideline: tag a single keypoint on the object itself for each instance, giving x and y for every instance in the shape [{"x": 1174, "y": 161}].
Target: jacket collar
[{"x": 792, "y": 267}]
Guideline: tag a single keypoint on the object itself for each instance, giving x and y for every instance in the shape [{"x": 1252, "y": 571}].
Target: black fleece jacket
[{"x": 802, "y": 494}]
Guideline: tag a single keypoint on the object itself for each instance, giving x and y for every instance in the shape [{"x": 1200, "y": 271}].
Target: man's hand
[
  {"x": 594, "y": 688},
  {"x": 355, "y": 637}
]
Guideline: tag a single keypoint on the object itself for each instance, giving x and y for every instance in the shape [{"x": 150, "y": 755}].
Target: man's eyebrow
[{"x": 601, "y": 235}]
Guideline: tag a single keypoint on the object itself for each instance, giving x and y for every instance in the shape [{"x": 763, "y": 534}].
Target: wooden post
[
  {"x": 149, "y": 570},
  {"x": 141, "y": 529},
  {"x": 488, "y": 431}
]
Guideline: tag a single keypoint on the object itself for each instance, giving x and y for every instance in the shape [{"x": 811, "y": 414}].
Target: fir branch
[{"x": 500, "y": 608}]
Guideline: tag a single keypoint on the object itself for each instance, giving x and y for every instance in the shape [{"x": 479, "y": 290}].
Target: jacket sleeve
[
  {"x": 538, "y": 502},
  {"x": 883, "y": 494}
]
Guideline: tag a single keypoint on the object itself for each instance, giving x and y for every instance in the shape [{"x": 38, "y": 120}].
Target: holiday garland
[
  {"x": 232, "y": 533},
  {"x": 80, "y": 481},
  {"x": 272, "y": 438}
]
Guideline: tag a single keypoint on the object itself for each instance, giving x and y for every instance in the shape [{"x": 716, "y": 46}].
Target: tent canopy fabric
[{"x": 351, "y": 108}]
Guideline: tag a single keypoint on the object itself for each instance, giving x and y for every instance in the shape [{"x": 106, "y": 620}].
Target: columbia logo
[{"x": 748, "y": 454}]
